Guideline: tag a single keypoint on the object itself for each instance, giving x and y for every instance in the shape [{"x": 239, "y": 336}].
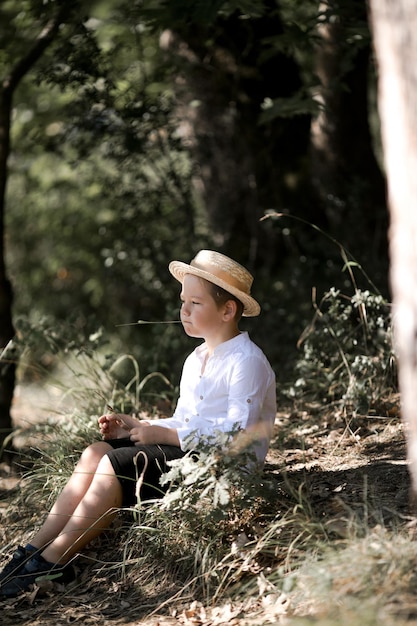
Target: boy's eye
[{"x": 183, "y": 301}]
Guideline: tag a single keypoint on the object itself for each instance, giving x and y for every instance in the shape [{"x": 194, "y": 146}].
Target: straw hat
[{"x": 223, "y": 272}]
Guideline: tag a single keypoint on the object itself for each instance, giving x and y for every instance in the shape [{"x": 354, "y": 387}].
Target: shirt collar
[{"x": 227, "y": 346}]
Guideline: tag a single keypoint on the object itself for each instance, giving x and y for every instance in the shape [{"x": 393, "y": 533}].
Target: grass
[
  {"x": 279, "y": 558},
  {"x": 293, "y": 566},
  {"x": 324, "y": 537}
]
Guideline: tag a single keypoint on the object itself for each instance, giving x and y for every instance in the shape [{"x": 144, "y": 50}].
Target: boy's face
[{"x": 200, "y": 315}]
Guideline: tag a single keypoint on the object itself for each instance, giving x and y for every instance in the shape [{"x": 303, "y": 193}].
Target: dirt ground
[
  {"x": 345, "y": 463},
  {"x": 343, "y": 466}
]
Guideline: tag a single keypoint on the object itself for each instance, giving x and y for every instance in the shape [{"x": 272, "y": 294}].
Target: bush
[{"x": 347, "y": 352}]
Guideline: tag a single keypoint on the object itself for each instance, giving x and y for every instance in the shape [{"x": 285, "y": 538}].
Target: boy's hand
[
  {"x": 116, "y": 425},
  {"x": 147, "y": 434}
]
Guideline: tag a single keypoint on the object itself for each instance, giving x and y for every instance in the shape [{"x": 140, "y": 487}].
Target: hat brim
[{"x": 251, "y": 308}]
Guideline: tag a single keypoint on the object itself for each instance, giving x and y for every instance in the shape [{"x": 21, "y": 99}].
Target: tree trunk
[
  {"x": 8, "y": 86},
  {"x": 224, "y": 73},
  {"x": 395, "y": 36},
  {"x": 7, "y": 366},
  {"x": 344, "y": 167}
]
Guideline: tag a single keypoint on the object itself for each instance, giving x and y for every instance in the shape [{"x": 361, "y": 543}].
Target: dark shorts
[{"x": 139, "y": 468}]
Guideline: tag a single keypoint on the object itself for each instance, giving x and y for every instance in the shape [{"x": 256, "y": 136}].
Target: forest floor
[{"x": 341, "y": 464}]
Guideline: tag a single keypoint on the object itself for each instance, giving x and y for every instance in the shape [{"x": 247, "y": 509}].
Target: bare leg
[
  {"x": 94, "y": 513},
  {"x": 72, "y": 494}
]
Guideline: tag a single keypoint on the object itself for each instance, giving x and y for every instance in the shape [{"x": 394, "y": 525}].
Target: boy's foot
[
  {"x": 20, "y": 557},
  {"x": 34, "y": 571}
]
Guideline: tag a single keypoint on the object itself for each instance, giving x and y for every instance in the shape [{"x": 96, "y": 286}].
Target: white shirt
[{"x": 236, "y": 390}]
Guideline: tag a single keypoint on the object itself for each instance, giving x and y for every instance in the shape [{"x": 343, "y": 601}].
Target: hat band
[{"x": 225, "y": 277}]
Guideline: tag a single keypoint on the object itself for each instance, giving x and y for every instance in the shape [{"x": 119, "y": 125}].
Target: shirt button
[
  {"x": 187, "y": 419},
  {"x": 201, "y": 397},
  {"x": 248, "y": 400}
]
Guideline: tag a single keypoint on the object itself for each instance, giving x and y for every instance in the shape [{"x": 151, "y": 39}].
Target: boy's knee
[{"x": 93, "y": 454}]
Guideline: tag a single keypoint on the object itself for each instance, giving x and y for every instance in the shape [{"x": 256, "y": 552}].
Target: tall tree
[
  {"x": 226, "y": 66},
  {"x": 47, "y": 25},
  {"x": 345, "y": 170},
  {"x": 242, "y": 78},
  {"x": 395, "y": 38}
]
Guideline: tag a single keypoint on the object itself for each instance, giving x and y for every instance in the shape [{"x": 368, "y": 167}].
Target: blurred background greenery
[{"x": 149, "y": 130}]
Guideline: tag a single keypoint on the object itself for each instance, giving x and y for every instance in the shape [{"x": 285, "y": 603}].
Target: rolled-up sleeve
[{"x": 249, "y": 382}]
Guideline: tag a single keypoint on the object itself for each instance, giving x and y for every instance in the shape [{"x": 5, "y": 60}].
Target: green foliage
[
  {"x": 100, "y": 186},
  {"x": 348, "y": 355},
  {"x": 102, "y": 193},
  {"x": 200, "y": 12},
  {"x": 81, "y": 364},
  {"x": 300, "y": 104},
  {"x": 214, "y": 484},
  {"x": 58, "y": 442}
]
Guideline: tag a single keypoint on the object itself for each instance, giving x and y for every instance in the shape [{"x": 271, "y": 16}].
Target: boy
[{"x": 226, "y": 383}]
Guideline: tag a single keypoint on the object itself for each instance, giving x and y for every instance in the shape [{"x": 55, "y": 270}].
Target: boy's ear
[{"x": 230, "y": 310}]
